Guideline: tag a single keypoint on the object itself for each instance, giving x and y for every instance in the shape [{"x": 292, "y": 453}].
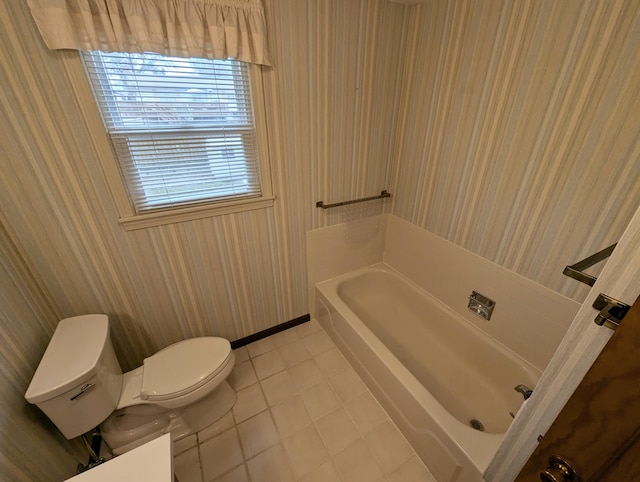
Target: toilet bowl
[{"x": 181, "y": 389}]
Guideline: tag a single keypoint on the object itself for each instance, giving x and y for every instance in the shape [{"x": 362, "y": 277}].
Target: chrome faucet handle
[{"x": 524, "y": 390}]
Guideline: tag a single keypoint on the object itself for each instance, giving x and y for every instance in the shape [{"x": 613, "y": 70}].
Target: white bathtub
[{"x": 431, "y": 369}]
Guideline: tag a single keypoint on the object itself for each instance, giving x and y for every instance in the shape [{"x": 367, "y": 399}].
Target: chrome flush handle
[{"x": 83, "y": 389}]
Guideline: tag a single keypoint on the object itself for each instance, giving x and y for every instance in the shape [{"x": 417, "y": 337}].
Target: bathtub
[{"x": 448, "y": 386}]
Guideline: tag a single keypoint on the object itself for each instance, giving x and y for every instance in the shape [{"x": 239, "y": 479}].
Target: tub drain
[{"x": 477, "y": 424}]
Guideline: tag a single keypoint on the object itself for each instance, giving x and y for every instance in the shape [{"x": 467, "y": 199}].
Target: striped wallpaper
[
  {"x": 31, "y": 448},
  {"x": 331, "y": 101},
  {"x": 519, "y": 135},
  {"x": 507, "y": 127}
]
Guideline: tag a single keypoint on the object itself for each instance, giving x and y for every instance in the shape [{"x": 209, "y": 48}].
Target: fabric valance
[{"x": 214, "y": 29}]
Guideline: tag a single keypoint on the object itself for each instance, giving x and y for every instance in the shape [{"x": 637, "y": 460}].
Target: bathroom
[{"x": 507, "y": 128}]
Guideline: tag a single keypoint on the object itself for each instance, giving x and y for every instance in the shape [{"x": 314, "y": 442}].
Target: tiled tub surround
[
  {"x": 436, "y": 373},
  {"x": 302, "y": 414}
]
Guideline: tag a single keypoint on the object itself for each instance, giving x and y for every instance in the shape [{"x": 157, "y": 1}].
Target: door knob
[{"x": 559, "y": 470}]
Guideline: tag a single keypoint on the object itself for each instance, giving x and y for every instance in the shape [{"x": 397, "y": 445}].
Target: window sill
[{"x": 179, "y": 215}]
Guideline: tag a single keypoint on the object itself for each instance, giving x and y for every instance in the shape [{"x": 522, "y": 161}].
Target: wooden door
[{"x": 598, "y": 430}]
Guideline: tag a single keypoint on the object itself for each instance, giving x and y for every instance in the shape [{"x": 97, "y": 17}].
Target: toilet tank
[{"x": 78, "y": 381}]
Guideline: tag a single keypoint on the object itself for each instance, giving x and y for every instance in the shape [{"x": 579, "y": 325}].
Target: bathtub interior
[
  {"x": 400, "y": 370},
  {"x": 463, "y": 368}
]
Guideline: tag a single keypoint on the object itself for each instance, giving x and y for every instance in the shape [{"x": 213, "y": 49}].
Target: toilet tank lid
[{"x": 71, "y": 357}]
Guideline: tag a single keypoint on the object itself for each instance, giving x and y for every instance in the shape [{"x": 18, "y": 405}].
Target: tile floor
[{"x": 302, "y": 414}]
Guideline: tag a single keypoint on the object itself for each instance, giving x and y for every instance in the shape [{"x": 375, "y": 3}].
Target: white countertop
[{"x": 151, "y": 462}]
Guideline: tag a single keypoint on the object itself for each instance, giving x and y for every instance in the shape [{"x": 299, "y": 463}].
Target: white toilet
[{"x": 181, "y": 389}]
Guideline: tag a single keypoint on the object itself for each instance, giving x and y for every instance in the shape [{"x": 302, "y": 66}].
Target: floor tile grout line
[
  {"x": 360, "y": 436},
  {"x": 342, "y": 404},
  {"x": 280, "y": 438},
  {"x": 313, "y": 422}
]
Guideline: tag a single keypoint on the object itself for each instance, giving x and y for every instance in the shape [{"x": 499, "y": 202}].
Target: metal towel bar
[
  {"x": 382, "y": 195},
  {"x": 576, "y": 271}
]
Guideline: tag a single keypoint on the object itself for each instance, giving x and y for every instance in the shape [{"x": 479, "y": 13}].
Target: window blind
[{"x": 182, "y": 128}]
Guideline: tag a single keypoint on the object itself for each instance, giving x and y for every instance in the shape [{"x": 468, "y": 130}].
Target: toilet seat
[{"x": 184, "y": 367}]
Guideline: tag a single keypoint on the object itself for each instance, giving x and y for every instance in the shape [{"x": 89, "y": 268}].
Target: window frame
[{"x": 127, "y": 216}]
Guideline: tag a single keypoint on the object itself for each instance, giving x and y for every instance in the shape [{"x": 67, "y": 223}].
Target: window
[{"x": 182, "y": 128}]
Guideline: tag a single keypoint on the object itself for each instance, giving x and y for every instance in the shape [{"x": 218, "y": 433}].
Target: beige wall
[
  {"x": 519, "y": 136},
  {"x": 491, "y": 122},
  {"x": 31, "y": 448}
]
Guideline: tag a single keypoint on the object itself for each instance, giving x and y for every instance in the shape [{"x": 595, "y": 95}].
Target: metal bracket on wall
[{"x": 576, "y": 271}]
